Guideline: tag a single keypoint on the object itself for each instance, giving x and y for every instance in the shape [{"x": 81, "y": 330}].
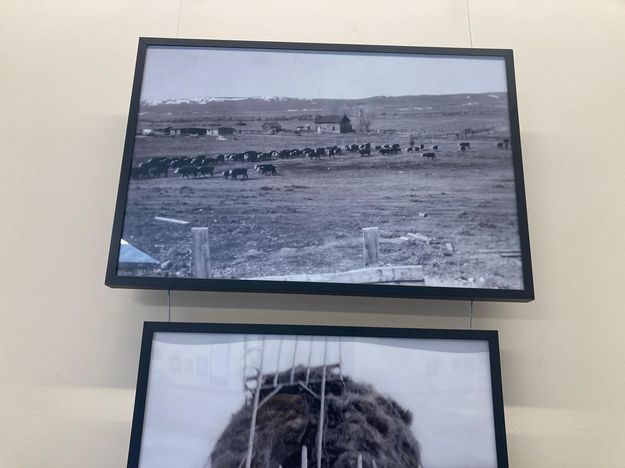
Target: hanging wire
[
  {"x": 469, "y": 21},
  {"x": 179, "y": 16}
]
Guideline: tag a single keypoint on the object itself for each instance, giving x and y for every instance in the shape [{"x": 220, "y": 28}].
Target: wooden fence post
[
  {"x": 201, "y": 254},
  {"x": 359, "y": 462},
  {"x": 304, "y": 456},
  {"x": 322, "y": 406},
  {"x": 370, "y": 238}
]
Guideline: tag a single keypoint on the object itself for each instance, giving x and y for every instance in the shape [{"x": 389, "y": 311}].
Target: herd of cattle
[{"x": 203, "y": 166}]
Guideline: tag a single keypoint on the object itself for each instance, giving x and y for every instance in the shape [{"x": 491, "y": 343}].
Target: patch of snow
[{"x": 205, "y": 100}]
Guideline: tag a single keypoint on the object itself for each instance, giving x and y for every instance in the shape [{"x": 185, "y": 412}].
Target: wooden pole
[
  {"x": 201, "y": 254},
  {"x": 309, "y": 360},
  {"x": 275, "y": 376},
  {"x": 259, "y": 381},
  {"x": 370, "y": 237},
  {"x": 245, "y": 369},
  {"x": 304, "y": 456},
  {"x": 322, "y": 408},
  {"x": 340, "y": 358},
  {"x": 293, "y": 362},
  {"x": 359, "y": 462}
]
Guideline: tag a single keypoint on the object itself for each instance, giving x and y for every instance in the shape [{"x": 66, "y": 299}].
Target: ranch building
[
  {"x": 220, "y": 131},
  {"x": 333, "y": 124},
  {"x": 193, "y": 131},
  {"x": 169, "y": 131}
]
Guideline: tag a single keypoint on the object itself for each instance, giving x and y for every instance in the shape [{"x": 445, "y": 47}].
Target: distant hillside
[{"x": 286, "y": 104}]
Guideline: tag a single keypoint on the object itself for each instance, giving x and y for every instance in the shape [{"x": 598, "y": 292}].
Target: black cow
[
  {"x": 500, "y": 145},
  {"x": 390, "y": 149},
  {"x": 153, "y": 167},
  {"x": 234, "y": 173},
  {"x": 179, "y": 162},
  {"x": 365, "y": 149},
  {"x": 506, "y": 143},
  {"x": 205, "y": 171},
  {"x": 187, "y": 171},
  {"x": 332, "y": 151},
  {"x": 265, "y": 169},
  {"x": 429, "y": 155},
  {"x": 198, "y": 161},
  {"x": 435, "y": 147}
]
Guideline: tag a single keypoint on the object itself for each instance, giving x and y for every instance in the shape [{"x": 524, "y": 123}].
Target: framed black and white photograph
[
  {"x": 258, "y": 396},
  {"x": 322, "y": 168}
]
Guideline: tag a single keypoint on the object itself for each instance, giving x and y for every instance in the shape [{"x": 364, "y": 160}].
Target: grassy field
[{"x": 309, "y": 218}]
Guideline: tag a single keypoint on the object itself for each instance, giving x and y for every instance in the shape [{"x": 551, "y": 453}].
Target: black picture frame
[
  {"x": 524, "y": 294},
  {"x": 151, "y": 328}
]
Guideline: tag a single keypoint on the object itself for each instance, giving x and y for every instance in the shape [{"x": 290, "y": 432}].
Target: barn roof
[{"x": 326, "y": 119}]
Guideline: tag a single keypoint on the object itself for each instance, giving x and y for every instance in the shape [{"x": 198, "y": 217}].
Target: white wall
[{"x": 69, "y": 346}]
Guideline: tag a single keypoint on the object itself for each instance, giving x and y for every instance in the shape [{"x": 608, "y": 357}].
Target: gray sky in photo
[{"x": 187, "y": 73}]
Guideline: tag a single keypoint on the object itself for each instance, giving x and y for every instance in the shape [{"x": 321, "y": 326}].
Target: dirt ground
[{"x": 308, "y": 218}]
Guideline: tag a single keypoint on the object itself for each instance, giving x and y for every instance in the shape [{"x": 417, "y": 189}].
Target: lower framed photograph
[{"x": 270, "y": 396}]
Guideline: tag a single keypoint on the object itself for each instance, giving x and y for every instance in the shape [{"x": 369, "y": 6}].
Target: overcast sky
[{"x": 177, "y": 72}]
